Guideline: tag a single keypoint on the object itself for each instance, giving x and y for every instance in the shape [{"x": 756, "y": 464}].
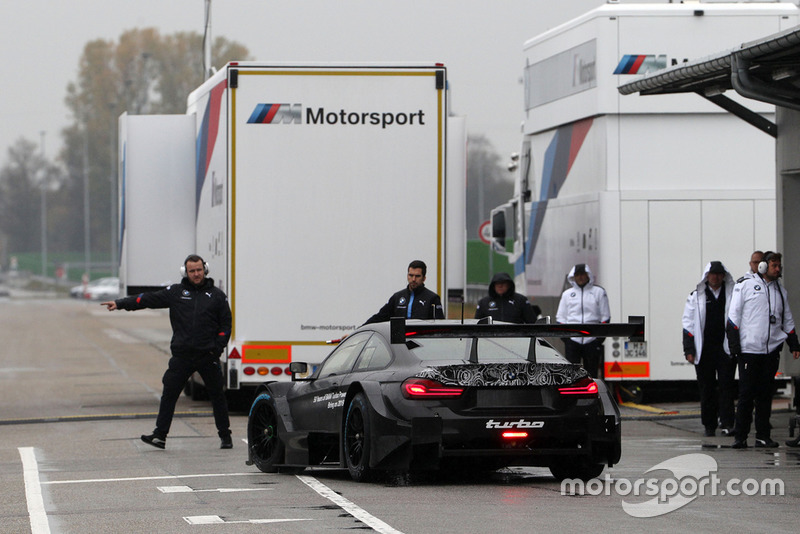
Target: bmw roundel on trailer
[{"x": 413, "y": 396}]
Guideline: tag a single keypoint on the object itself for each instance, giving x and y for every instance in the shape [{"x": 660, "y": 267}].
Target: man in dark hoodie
[
  {"x": 504, "y": 304},
  {"x": 201, "y": 326}
]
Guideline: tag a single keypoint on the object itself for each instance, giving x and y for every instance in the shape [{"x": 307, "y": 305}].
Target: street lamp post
[{"x": 43, "y": 186}]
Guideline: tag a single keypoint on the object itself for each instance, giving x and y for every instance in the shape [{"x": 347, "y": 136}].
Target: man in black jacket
[
  {"x": 504, "y": 304},
  {"x": 201, "y": 326},
  {"x": 413, "y": 302}
]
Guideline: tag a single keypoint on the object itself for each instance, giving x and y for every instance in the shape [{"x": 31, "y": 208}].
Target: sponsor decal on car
[{"x": 334, "y": 400}]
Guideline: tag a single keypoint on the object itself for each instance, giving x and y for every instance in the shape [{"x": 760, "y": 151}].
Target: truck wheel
[
  {"x": 265, "y": 446},
  {"x": 631, "y": 393},
  {"x": 581, "y": 468},
  {"x": 357, "y": 439},
  {"x": 194, "y": 390}
]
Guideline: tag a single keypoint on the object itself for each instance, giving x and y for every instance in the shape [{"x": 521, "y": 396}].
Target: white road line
[
  {"x": 121, "y": 336},
  {"x": 165, "y": 477},
  {"x": 33, "y": 491},
  {"x": 360, "y": 514},
  {"x": 187, "y": 489},
  {"x": 217, "y": 520}
]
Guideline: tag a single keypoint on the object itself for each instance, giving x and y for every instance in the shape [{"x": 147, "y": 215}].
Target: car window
[
  {"x": 489, "y": 349},
  {"x": 341, "y": 360},
  {"x": 376, "y": 355}
]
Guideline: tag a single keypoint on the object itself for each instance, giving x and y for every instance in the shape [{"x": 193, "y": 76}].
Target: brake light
[
  {"x": 515, "y": 435},
  {"x": 585, "y": 387},
  {"x": 424, "y": 388}
]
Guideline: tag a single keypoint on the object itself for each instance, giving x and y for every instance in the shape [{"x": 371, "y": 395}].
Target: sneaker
[
  {"x": 225, "y": 443},
  {"x": 155, "y": 441},
  {"x": 766, "y": 443},
  {"x": 739, "y": 444},
  {"x": 793, "y": 442},
  {"x": 726, "y": 431},
  {"x": 710, "y": 432}
]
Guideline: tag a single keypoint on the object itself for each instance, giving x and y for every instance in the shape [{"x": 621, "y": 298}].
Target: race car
[{"x": 410, "y": 396}]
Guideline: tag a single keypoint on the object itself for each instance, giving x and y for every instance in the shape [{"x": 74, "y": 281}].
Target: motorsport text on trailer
[{"x": 293, "y": 114}]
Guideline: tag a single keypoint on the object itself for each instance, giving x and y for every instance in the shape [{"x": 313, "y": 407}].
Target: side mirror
[
  {"x": 499, "y": 230},
  {"x": 299, "y": 370}
]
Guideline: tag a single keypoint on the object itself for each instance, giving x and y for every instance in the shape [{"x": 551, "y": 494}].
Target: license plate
[{"x": 509, "y": 397}]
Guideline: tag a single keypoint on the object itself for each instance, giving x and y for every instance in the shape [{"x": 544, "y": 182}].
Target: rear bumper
[{"x": 429, "y": 441}]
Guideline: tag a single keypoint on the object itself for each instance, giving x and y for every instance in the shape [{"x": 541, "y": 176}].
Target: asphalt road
[{"x": 78, "y": 385}]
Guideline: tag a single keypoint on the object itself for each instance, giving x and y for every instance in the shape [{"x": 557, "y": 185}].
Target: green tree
[
  {"x": 489, "y": 184},
  {"x": 142, "y": 73},
  {"x": 21, "y": 183}
]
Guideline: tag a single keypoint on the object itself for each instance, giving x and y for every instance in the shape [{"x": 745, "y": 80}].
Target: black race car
[{"x": 423, "y": 395}]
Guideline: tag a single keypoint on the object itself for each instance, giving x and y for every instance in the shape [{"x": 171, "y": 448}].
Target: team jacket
[
  {"x": 694, "y": 315},
  {"x": 587, "y": 304},
  {"x": 511, "y": 307},
  {"x": 200, "y": 316},
  {"x": 749, "y": 328},
  {"x": 426, "y": 305}
]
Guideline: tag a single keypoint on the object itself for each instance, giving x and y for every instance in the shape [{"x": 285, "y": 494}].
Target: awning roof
[{"x": 767, "y": 69}]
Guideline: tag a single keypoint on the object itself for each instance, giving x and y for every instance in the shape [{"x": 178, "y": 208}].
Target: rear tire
[
  {"x": 265, "y": 446},
  {"x": 357, "y": 439},
  {"x": 581, "y": 468}
]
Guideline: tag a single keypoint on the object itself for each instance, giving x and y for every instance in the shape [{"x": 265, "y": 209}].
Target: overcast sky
[{"x": 480, "y": 41}]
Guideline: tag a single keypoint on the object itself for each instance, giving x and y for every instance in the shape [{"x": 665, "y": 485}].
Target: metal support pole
[{"x": 43, "y": 186}]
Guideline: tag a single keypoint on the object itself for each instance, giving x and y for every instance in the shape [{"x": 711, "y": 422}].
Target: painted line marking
[
  {"x": 187, "y": 489},
  {"x": 217, "y": 520},
  {"x": 33, "y": 492},
  {"x": 651, "y": 409},
  {"x": 360, "y": 514},
  {"x": 121, "y": 336},
  {"x": 165, "y": 477}
]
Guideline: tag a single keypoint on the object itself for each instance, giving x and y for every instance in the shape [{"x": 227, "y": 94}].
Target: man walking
[
  {"x": 201, "y": 326},
  {"x": 759, "y": 321},
  {"x": 705, "y": 346}
]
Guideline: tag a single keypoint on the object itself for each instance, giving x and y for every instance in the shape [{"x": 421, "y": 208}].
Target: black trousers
[
  {"x": 756, "y": 386},
  {"x": 174, "y": 380},
  {"x": 591, "y": 354},
  {"x": 717, "y": 384}
]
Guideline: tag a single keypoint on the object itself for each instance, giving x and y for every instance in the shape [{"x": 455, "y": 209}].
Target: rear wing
[{"x": 400, "y": 331}]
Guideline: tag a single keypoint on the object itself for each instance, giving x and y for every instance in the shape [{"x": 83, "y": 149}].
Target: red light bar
[
  {"x": 584, "y": 387},
  {"x": 421, "y": 388},
  {"x": 515, "y": 435}
]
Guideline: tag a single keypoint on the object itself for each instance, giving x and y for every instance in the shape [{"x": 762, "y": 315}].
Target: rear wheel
[
  {"x": 581, "y": 468},
  {"x": 357, "y": 439},
  {"x": 266, "y": 447}
]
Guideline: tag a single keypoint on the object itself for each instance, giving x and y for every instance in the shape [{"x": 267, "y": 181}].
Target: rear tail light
[
  {"x": 515, "y": 435},
  {"x": 424, "y": 388},
  {"x": 585, "y": 387}
]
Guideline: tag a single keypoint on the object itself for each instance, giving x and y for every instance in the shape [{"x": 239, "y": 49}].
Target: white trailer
[
  {"x": 645, "y": 191},
  {"x": 313, "y": 187}
]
